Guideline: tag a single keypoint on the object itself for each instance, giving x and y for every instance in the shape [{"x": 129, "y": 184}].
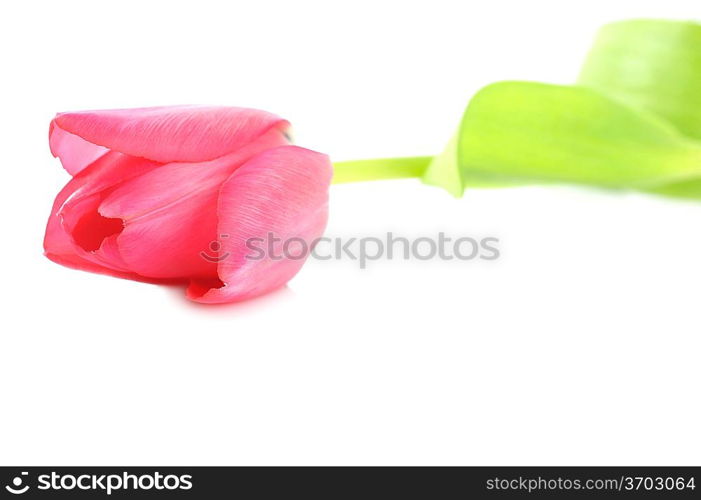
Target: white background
[{"x": 579, "y": 346}]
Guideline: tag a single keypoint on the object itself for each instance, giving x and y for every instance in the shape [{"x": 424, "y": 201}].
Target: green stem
[{"x": 384, "y": 168}]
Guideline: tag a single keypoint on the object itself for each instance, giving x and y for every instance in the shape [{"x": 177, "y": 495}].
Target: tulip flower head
[{"x": 173, "y": 195}]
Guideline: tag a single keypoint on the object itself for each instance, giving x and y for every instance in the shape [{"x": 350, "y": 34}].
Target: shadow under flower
[{"x": 244, "y": 307}]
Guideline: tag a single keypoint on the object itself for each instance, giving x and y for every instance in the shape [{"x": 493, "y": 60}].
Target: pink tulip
[{"x": 176, "y": 194}]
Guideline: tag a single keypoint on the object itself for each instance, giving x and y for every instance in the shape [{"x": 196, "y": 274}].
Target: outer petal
[
  {"x": 170, "y": 213},
  {"x": 282, "y": 192},
  {"x": 75, "y": 227},
  {"x": 168, "y": 134},
  {"x": 74, "y": 152}
]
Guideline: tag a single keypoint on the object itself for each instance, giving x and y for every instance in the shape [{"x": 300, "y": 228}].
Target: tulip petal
[
  {"x": 74, "y": 228},
  {"x": 74, "y": 152},
  {"x": 167, "y": 223},
  {"x": 167, "y": 134},
  {"x": 281, "y": 192},
  {"x": 170, "y": 213}
]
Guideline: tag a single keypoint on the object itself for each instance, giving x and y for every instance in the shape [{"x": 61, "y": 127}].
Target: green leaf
[
  {"x": 652, "y": 64},
  {"x": 525, "y": 132},
  {"x": 445, "y": 171}
]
